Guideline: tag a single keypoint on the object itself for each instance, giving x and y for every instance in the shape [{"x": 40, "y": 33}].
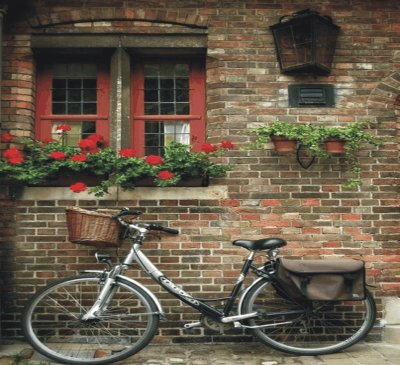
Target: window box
[
  {"x": 203, "y": 181},
  {"x": 68, "y": 178}
]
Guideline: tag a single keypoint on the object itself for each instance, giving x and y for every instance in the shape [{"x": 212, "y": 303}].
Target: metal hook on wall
[{"x": 298, "y": 158}]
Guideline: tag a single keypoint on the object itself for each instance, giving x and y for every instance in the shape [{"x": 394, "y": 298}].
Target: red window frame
[
  {"x": 45, "y": 118},
  {"x": 197, "y": 95}
]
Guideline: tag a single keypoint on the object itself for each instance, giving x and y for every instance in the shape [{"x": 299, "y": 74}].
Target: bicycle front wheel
[
  {"x": 315, "y": 328},
  {"x": 53, "y": 321}
]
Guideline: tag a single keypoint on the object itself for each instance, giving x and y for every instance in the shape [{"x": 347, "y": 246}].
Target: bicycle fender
[
  {"x": 240, "y": 304},
  {"x": 147, "y": 291}
]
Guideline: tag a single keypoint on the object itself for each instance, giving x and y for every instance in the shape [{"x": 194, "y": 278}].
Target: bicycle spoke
[
  {"x": 53, "y": 322},
  {"x": 315, "y": 328}
]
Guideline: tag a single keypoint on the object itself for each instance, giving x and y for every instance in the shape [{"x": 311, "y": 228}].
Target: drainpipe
[{"x": 3, "y": 10}]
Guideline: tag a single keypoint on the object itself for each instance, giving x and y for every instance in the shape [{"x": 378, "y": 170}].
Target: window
[
  {"x": 76, "y": 94},
  {"x": 167, "y": 101},
  {"x": 168, "y": 104}
]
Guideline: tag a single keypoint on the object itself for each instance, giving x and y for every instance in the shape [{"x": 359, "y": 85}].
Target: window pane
[
  {"x": 166, "y": 83},
  {"x": 167, "y": 108},
  {"x": 88, "y": 128},
  {"x": 74, "y": 85},
  {"x": 89, "y": 84},
  {"x": 59, "y": 84},
  {"x": 165, "y": 86},
  {"x": 74, "y": 108},
  {"x": 151, "y": 70},
  {"x": 79, "y": 130},
  {"x": 89, "y": 95},
  {"x": 182, "y": 108},
  {"x": 89, "y": 108},
  {"x": 150, "y": 95},
  {"x": 182, "y": 95},
  {"x": 154, "y": 127},
  {"x": 60, "y": 70},
  {"x": 74, "y": 95},
  {"x": 59, "y": 108},
  {"x": 151, "y": 108},
  {"x": 182, "y": 83},
  {"x": 159, "y": 133},
  {"x": 59, "y": 95},
  {"x": 151, "y": 83},
  {"x": 182, "y": 69},
  {"x": 167, "y": 95}
]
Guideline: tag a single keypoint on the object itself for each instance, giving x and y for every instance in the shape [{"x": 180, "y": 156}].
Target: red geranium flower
[
  {"x": 165, "y": 175},
  {"x": 154, "y": 160},
  {"x": 207, "y": 147},
  {"x": 6, "y": 137},
  {"x": 13, "y": 156},
  {"x": 58, "y": 155},
  {"x": 88, "y": 146},
  {"x": 78, "y": 187},
  {"x": 127, "y": 152},
  {"x": 12, "y": 153},
  {"x": 63, "y": 128},
  {"x": 79, "y": 158},
  {"x": 16, "y": 160},
  {"x": 96, "y": 138},
  {"x": 228, "y": 145}
]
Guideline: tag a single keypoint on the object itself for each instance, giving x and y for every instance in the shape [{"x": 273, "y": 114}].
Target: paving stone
[{"x": 239, "y": 354}]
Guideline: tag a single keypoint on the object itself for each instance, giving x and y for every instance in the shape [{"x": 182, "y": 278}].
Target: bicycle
[{"x": 99, "y": 317}]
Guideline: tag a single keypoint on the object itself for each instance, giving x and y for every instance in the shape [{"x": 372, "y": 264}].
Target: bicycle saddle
[{"x": 261, "y": 244}]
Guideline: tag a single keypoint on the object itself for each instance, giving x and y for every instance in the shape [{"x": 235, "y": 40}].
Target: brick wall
[{"x": 265, "y": 194}]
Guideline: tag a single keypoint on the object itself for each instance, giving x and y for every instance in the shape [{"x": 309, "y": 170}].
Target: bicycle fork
[{"x": 104, "y": 297}]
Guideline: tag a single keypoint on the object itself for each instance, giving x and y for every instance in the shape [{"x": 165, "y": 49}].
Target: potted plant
[
  {"x": 315, "y": 139},
  {"x": 42, "y": 163},
  {"x": 305, "y": 136},
  {"x": 283, "y": 135},
  {"x": 348, "y": 140}
]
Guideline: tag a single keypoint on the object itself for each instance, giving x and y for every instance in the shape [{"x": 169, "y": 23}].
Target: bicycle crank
[{"x": 214, "y": 325}]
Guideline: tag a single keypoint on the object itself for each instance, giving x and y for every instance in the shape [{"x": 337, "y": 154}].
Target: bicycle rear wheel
[
  {"x": 52, "y": 321},
  {"x": 315, "y": 328}
]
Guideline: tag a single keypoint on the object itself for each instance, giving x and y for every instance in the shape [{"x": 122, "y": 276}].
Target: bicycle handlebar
[
  {"x": 127, "y": 211},
  {"x": 150, "y": 227},
  {"x": 155, "y": 227}
]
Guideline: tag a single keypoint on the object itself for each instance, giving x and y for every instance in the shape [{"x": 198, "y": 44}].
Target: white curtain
[{"x": 176, "y": 131}]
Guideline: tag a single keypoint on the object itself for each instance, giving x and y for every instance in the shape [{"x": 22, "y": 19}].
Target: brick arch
[
  {"x": 386, "y": 95},
  {"x": 175, "y": 17}
]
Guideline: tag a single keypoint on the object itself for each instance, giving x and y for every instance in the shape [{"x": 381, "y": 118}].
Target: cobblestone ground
[{"x": 230, "y": 354}]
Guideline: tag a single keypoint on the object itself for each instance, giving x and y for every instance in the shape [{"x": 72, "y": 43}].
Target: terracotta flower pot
[
  {"x": 335, "y": 146},
  {"x": 283, "y": 144}
]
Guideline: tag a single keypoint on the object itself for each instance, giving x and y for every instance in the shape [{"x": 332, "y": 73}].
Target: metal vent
[{"x": 311, "y": 95}]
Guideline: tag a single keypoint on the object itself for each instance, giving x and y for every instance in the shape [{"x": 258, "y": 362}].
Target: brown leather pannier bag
[{"x": 332, "y": 280}]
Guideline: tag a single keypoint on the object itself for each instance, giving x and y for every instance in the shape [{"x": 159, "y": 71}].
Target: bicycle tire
[
  {"x": 312, "y": 328},
  {"x": 51, "y": 321}
]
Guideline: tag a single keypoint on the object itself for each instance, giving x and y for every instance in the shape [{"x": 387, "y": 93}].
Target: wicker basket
[{"x": 93, "y": 228}]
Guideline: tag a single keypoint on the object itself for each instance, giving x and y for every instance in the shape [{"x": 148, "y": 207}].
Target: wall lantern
[{"x": 305, "y": 43}]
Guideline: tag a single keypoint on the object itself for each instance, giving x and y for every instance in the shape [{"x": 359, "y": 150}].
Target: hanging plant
[{"x": 312, "y": 139}]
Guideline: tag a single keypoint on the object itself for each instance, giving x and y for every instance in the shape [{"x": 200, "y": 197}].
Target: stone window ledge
[{"x": 140, "y": 193}]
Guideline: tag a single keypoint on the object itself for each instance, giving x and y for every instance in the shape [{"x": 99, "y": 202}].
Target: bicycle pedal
[{"x": 190, "y": 326}]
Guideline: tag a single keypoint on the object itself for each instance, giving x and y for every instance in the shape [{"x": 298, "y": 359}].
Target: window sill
[{"x": 140, "y": 193}]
